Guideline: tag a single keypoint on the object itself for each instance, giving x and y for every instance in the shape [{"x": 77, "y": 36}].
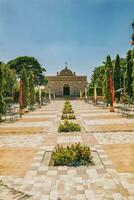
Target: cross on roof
[{"x": 66, "y": 64}]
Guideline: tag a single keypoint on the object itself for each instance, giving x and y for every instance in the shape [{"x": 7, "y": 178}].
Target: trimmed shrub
[
  {"x": 75, "y": 155},
  {"x": 72, "y": 116},
  {"x": 68, "y": 111},
  {"x": 68, "y": 127},
  {"x": 65, "y": 116}
]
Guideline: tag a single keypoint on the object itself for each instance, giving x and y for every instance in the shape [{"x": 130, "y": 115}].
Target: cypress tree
[
  {"x": 25, "y": 88},
  {"x": 31, "y": 89},
  {"x": 2, "y": 102},
  {"x": 133, "y": 74},
  {"x": 128, "y": 75},
  {"x": 106, "y": 83},
  {"x": 117, "y": 77}
]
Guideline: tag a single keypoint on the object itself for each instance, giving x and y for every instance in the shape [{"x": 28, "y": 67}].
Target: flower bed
[
  {"x": 67, "y": 108},
  {"x": 75, "y": 155},
  {"x": 70, "y": 116},
  {"x": 69, "y": 111},
  {"x": 69, "y": 127}
]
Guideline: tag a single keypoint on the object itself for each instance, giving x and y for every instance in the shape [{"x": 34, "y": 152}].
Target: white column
[
  {"x": 49, "y": 94},
  {"x": 95, "y": 94},
  {"x": 54, "y": 95},
  {"x": 39, "y": 95}
]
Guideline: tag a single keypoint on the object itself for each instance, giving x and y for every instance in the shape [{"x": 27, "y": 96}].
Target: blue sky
[{"x": 81, "y": 32}]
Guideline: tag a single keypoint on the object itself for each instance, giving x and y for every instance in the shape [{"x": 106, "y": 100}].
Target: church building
[{"x": 66, "y": 83}]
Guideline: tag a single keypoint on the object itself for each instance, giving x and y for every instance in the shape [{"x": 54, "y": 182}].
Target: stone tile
[{"x": 122, "y": 156}]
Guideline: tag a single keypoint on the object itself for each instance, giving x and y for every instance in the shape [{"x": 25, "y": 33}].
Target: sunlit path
[{"x": 21, "y": 155}]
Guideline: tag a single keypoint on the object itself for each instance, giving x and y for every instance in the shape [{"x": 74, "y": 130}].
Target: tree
[
  {"x": 106, "y": 83},
  {"x": 25, "y": 87},
  {"x": 117, "y": 77},
  {"x": 133, "y": 74},
  {"x": 31, "y": 64},
  {"x": 10, "y": 80},
  {"x": 97, "y": 77},
  {"x": 31, "y": 89},
  {"x": 2, "y": 102},
  {"x": 128, "y": 75}
]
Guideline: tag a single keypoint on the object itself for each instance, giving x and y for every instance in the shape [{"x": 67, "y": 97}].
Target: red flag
[
  {"x": 111, "y": 90},
  {"x": 20, "y": 97}
]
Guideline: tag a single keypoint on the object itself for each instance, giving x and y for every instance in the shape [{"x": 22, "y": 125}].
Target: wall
[{"x": 76, "y": 83}]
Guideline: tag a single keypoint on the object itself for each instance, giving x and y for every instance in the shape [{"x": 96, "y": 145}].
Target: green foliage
[
  {"x": 2, "y": 102},
  {"x": 69, "y": 127},
  {"x": 31, "y": 65},
  {"x": 10, "y": 80},
  {"x": 72, "y": 116},
  {"x": 67, "y": 108},
  {"x": 25, "y": 87},
  {"x": 97, "y": 77},
  {"x": 31, "y": 89},
  {"x": 106, "y": 84},
  {"x": 75, "y": 155},
  {"x": 117, "y": 77},
  {"x": 70, "y": 111},
  {"x": 68, "y": 116},
  {"x": 128, "y": 74},
  {"x": 90, "y": 91}
]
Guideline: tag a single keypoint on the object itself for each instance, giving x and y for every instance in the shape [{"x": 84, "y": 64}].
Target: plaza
[{"x": 24, "y": 143}]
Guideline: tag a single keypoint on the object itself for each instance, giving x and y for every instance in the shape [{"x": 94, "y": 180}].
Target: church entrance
[{"x": 66, "y": 90}]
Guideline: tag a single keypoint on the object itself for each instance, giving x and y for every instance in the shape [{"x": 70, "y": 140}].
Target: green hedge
[
  {"x": 90, "y": 91},
  {"x": 69, "y": 127},
  {"x": 75, "y": 155}
]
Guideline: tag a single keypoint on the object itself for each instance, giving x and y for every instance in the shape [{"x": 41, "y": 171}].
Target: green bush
[
  {"x": 67, "y": 107},
  {"x": 72, "y": 116},
  {"x": 67, "y": 102},
  {"x": 90, "y": 91},
  {"x": 68, "y": 111},
  {"x": 75, "y": 155},
  {"x": 65, "y": 116},
  {"x": 69, "y": 127}
]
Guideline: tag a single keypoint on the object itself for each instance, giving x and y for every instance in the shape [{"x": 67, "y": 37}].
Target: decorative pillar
[
  {"x": 39, "y": 96},
  {"x": 49, "y": 94},
  {"x": 21, "y": 98},
  {"x": 95, "y": 95},
  {"x": 80, "y": 95},
  {"x": 54, "y": 95}
]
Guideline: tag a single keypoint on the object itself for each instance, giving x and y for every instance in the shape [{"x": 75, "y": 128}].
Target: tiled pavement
[{"x": 37, "y": 131}]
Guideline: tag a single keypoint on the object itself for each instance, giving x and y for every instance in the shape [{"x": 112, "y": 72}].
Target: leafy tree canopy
[
  {"x": 31, "y": 65},
  {"x": 97, "y": 77}
]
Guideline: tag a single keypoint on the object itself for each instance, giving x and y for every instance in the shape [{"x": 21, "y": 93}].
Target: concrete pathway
[{"x": 23, "y": 145}]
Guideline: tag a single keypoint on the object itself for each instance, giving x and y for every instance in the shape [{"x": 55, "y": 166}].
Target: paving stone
[{"x": 39, "y": 130}]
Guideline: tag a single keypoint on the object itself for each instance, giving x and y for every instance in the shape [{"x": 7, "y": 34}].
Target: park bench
[
  {"x": 126, "y": 110},
  {"x": 12, "y": 113}
]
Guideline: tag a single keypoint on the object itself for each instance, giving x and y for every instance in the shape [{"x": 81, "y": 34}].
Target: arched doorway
[{"x": 66, "y": 90}]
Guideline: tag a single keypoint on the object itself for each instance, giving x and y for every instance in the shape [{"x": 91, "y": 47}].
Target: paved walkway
[{"x": 23, "y": 145}]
